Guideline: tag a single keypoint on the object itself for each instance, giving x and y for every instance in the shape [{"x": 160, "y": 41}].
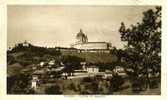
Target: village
[{"x": 86, "y": 71}]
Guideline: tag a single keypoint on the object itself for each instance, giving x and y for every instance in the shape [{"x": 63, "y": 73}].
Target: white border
[{"x": 3, "y": 42}]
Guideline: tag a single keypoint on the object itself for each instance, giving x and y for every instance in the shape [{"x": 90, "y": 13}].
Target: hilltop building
[
  {"x": 83, "y": 44},
  {"x": 24, "y": 44}
]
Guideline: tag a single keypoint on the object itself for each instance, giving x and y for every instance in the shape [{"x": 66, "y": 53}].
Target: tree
[
  {"x": 119, "y": 53},
  {"x": 143, "y": 49},
  {"x": 18, "y": 84},
  {"x": 116, "y": 82},
  {"x": 71, "y": 63}
]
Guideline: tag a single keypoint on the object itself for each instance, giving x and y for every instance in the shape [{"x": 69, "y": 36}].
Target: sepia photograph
[{"x": 83, "y": 50}]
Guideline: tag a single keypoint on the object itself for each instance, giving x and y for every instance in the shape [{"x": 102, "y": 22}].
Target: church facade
[{"x": 83, "y": 44}]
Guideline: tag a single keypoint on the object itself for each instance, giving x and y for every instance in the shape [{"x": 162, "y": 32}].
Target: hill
[
  {"x": 96, "y": 57},
  {"x": 21, "y": 57}
]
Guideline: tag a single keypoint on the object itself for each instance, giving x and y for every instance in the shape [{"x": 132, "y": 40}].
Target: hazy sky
[{"x": 58, "y": 25}]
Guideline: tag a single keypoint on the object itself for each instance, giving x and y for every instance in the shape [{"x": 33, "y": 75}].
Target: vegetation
[
  {"x": 55, "y": 89},
  {"x": 143, "y": 49},
  {"x": 19, "y": 84},
  {"x": 71, "y": 63},
  {"x": 96, "y": 58}
]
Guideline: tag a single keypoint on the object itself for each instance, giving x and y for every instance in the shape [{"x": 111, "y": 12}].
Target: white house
[
  {"x": 120, "y": 71},
  {"x": 52, "y": 62},
  {"x": 26, "y": 44},
  {"x": 42, "y": 64},
  {"x": 92, "y": 69},
  {"x": 34, "y": 82},
  {"x": 108, "y": 75},
  {"x": 83, "y": 66}
]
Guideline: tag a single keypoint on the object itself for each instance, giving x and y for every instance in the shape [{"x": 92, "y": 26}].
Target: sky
[{"x": 58, "y": 25}]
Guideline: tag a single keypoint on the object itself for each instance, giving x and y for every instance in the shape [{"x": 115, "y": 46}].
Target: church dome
[
  {"x": 80, "y": 34},
  {"x": 81, "y": 37}
]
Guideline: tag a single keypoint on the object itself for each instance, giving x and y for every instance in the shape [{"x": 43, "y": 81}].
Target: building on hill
[
  {"x": 83, "y": 44},
  {"x": 24, "y": 44},
  {"x": 81, "y": 37},
  {"x": 92, "y": 69}
]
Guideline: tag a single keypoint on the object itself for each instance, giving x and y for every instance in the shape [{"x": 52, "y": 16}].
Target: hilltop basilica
[{"x": 82, "y": 43}]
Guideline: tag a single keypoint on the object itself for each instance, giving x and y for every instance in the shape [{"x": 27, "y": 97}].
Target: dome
[
  {"x": 81, "y": 37},
  {"x": 80, "y": 34}
]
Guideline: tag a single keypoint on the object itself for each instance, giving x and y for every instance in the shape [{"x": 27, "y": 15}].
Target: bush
[
  {"x": 154, "y": 83},
  {"x": 72, "y": 86},
  {"x": 53, "y": 90},
  {"x": 87, "y": 79},
  {"x": 116, "y": 82},
  {"x": 18, "y": 84},
  {"x": 10, "y": 60},
  {"x": 138, "y": 84},
  {"x": 25, "y": 63},
  {"x": 89, "y": 86}
]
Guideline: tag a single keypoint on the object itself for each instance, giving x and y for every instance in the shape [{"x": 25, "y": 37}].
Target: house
[
  {"x": 92, "y": 69},
  {"x": 119, "y": 70},
  {"x": 108, "y": 75},
  {"x": 34, "y": 82},
  {"x": 42, "y": 64},
  {"x": 25, "y": 44},
  {"x": 51, "y": 63},
  {"x": 83, "y": 66}
]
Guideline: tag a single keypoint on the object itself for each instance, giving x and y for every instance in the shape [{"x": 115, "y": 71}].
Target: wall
[{"x": 92, "y": 45}]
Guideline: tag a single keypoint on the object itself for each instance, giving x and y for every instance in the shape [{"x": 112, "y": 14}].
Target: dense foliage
[
  {"x": 143, "y": 49},
  {"x": 19, "y": 84},
  {"x": 71, "y": 63}
]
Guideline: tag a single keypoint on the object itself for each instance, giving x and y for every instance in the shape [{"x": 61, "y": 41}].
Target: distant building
[
  {"x": 10, "y": 49},
  {"x": 34, "y": 82},
  {"x": 26, "y": 44},
  {"x": 92, "y": 69},
  {"x": 83, "y": 65},
  {"x": 42, "y": 64},
  {"x": 52, "y": 62},
  {"x": 83, "y": 44},
  {"x": 120, "y": 71},
  {"x": 108, "y": 74}
]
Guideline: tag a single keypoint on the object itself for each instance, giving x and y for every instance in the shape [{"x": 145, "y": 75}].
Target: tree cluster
[{"x": 143, "y": 49}]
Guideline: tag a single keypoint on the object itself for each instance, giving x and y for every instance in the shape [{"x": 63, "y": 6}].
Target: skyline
[{"x": 52, "y": 26}]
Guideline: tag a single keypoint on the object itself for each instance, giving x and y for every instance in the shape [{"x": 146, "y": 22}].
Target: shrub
[
  {"x": 53, "y": 90},
  {"x": 72, "y": 86},
  {"x": 138, "y": 84},
  {"x": 87, "y": 79},
  {"x": 17, "y": 84},
  {"x": 116, "y": 82}
]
